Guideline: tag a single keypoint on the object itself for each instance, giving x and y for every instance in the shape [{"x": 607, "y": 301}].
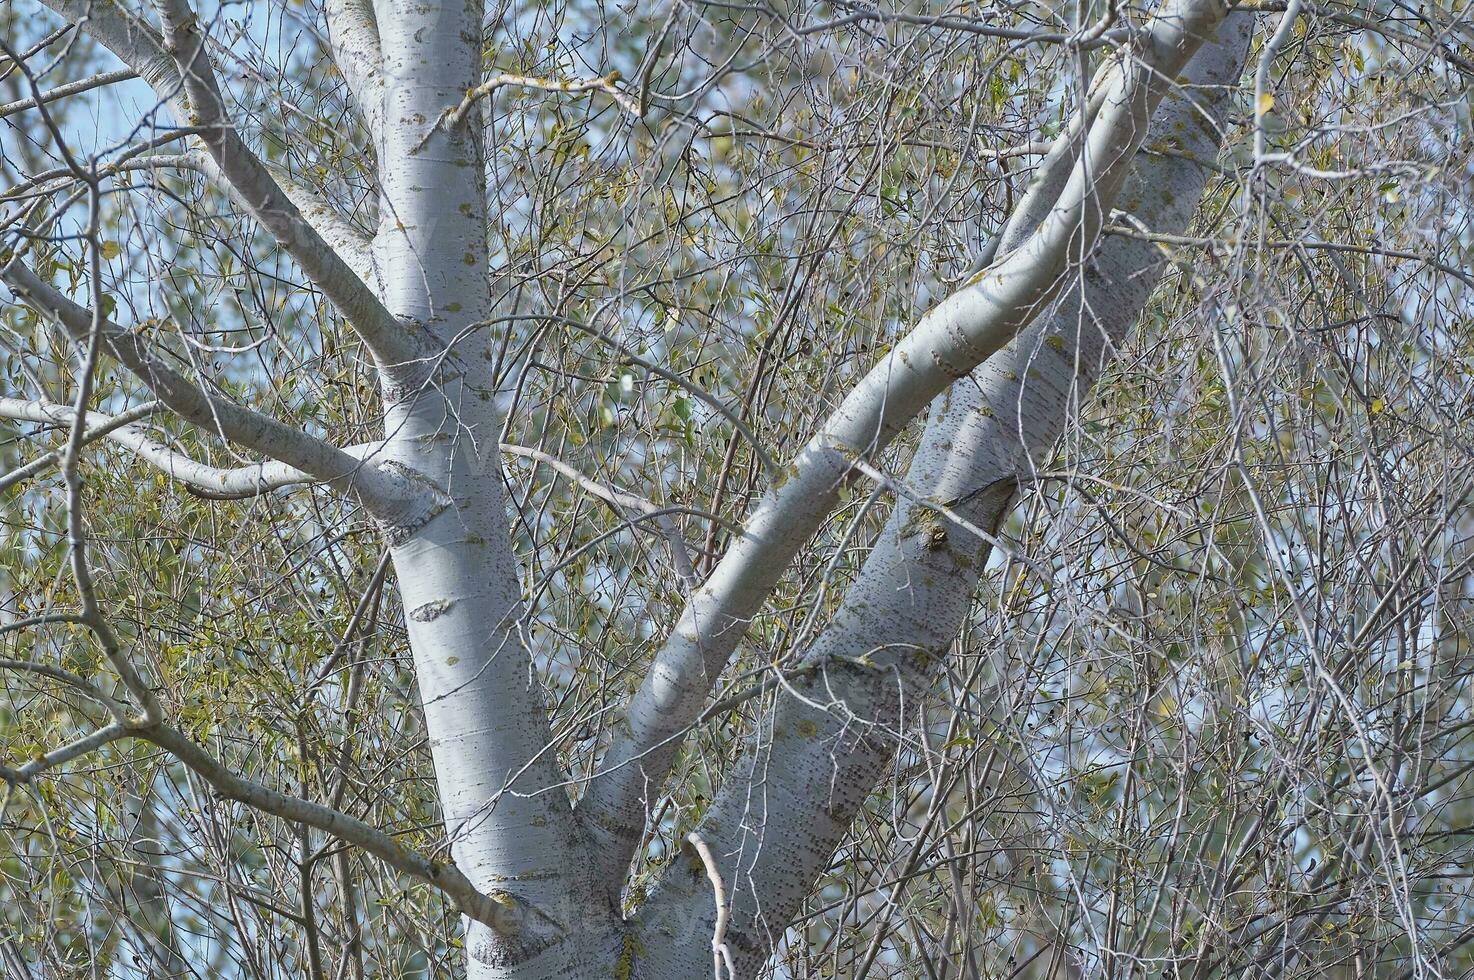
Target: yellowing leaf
[
  {"x": 1377, "y": 406},
  {"x": 1265, "y": 103},
  {"x": 110, "y": 250}
]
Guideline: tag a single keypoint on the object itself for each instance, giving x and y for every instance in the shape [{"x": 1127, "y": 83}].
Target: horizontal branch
[
  {"x": 1309, "y": 244},
  {"x": 71, "y": 88},
  {"x": 384, "y": 492},
  {"x": 240, "y": 482},
  {"x": 45, "y": 619},
  {"x": 1087, "y": 39},
  {"x": 456, "y": 116},
  {"x": 50, "y": 181},
  {"x": 45, "y": 412}
]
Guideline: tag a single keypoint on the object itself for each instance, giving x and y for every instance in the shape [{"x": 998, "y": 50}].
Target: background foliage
[{"x": 1214, "y": 711}]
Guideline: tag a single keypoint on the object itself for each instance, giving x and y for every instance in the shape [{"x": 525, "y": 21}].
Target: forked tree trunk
[
  {"x": 891, "y": 634},
  {"x": 506, "y": 814}
]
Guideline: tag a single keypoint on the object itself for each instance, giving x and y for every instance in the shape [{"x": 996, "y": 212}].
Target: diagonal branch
[
  {"x": 178, "y": 70},
  {"x": 384, "y": 492},
  {"x": 351, "y": 244},
  {"x": 946, "y": 344},
  {"x": 499, "y": 910},
  {"x": 393, "y": 346},
  {"x": 831, "y": 735},
  {"x": 62, "y": 91},
  {"x": 116, "y": 708},
  {"x": 230, "y": 482}
]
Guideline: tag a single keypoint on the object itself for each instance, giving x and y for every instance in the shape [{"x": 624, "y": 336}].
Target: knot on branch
[
  {"x": 518, "y": 932},
  {"x": 422, "y": 502}
]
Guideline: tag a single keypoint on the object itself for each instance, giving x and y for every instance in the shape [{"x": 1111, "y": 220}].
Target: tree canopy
[{"x": 832, "y": 490}]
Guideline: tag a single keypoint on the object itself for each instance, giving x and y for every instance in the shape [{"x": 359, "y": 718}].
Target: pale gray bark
[
  {"x": 785, "y": 808},
  {"x": 354, "y": 37},
  {"x": 489, "y": 733},
  {"x": 540, "y": 895},
  {"x": 950, "y": 341},
  {"x": 383, "y": 490},
  {"x": 63, "y": 91},
  {"x": 242, "y": 481},
  {"x": 176, "y": 68}
]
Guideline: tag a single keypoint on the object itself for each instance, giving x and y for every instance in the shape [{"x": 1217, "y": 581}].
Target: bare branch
[
  {"x": 957, "y": 335},
  {"x": 721, "y": 956},
  {"x": 222, "y": 482},
  {"x": 380, "y": 489},
  {"x": 116, "y": 708},
  {"x": 179, "y": 64},
  {"x": 71, "y": 88},
  {"x": 456, "y": 115},
  {"x": 500, "y": 911},
  {"x": 62, "y": 755},
  {"x": 37, "y": 411}
]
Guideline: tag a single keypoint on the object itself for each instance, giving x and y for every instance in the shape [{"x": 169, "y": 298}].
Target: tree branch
[
  {"x": 831, "y": 735},
  {"x": 354, "y": 37},
  {"x": 64, "y": 754},
  {"x": 456, "y": 115},
  {"x": 500, "y": 910},
  {"x": 177, "y": 65},
  {"x": 71, "y": 88},
  {"x": 44, "y": 412},
  {"x": 226, "y": 482},
  {"x": 116, "y": 708},
  {"x": 948, "y": 342},
  {"x": 384, "y": 492}
]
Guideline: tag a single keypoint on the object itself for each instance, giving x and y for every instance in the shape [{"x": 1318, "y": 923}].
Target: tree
[{"x": 654, "y": 303}]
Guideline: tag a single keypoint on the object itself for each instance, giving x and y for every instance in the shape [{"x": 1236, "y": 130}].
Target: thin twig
[
  {"x": 456, "y": 116},
  {"x": 720, "y": 954}
]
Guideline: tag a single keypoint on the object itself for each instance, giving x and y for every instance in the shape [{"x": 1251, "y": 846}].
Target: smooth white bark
[
  {"x": 235, "y": 481},
  {"x": 544, "y": 896},
  {"x": 194, "y": 98},
  {"x": 457, "y": 577},
  {"x": 783, "y": 810},
  {"x": 354, "y": 36},
  {"x": 383, "y": 490},
  {"x": 948, "y": 342}
]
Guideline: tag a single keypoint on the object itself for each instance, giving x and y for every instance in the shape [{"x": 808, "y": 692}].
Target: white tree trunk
[
  {"x": 435, "y": 484},
  {"x": 457, "y": 577},
  {"x": 955, "y": 336},
  {"x": 785, "y": 808}
]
